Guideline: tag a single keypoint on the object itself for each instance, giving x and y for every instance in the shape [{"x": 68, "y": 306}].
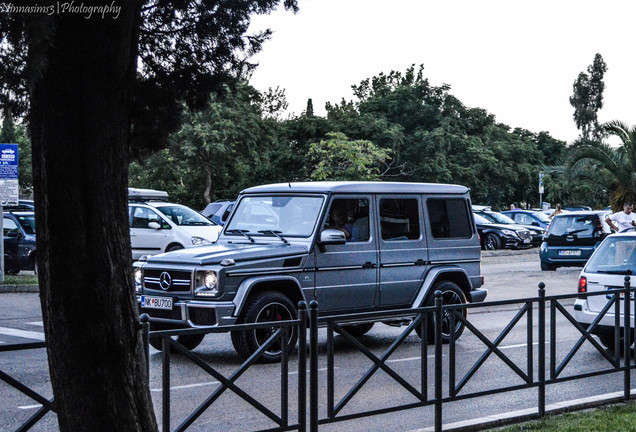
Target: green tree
[
  {"x": 85, "y": 80},
  {"x": 339, "y": 158},
  {"x": 587, "y": 98},
  {"x": 607, "y": 168}
]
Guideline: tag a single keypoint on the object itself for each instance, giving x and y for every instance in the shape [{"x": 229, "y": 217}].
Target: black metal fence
[
  {"x": 435, "y": 394},
  {"x": 444, "y": 388}
]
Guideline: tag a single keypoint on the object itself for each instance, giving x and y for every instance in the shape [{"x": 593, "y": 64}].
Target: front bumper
[
  {"x": 478, "y": 295},
  {"x": 194, "y": 313}
]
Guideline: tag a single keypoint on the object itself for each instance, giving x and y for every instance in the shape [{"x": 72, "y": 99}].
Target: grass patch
[
  {"x": 618, "y": 418},
  {"x": 20, "y": 279}
]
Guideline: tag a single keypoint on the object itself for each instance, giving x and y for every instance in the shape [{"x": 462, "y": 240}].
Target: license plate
[
  {"x": 527, "y": 240},
  {"x": 569, "y": 253},
  {"x": 164, "y": 303}
]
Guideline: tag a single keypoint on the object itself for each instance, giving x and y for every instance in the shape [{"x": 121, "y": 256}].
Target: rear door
[
  {"x": 144, "y": 239},
  {"x": 403, "y": 248}
]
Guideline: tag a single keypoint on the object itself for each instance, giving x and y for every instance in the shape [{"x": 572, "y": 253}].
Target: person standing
[
  {"x": 620, "y": 221},
  {"x": 558, "y": 210}
]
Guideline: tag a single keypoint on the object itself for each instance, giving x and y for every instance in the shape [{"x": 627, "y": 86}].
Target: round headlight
[
  {"x": 138, "y": 274},
  {"x": 210, "y": 280}
]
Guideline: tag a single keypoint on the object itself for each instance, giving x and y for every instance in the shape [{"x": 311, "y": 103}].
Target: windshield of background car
[
  {"x": 580, "y": 226},
  {"x": 616, "y": 255},
  {"x": 294, "y": 216},
  {"x": 498, "y": 218},
  {"x": 27, "y": 222},
  {"x": 542, "y": 217},
  {"x": 480, "y": 220},
  {"x": 184, "y": 216}
]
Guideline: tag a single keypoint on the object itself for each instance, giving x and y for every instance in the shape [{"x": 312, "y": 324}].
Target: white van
[{"x": 157, "y": 226}]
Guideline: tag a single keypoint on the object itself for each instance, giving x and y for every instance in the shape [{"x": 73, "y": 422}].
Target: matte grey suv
[{"x": 351, "y": 246}]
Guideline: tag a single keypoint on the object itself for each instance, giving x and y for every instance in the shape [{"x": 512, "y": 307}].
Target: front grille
[{"x": 168, "y": 280}]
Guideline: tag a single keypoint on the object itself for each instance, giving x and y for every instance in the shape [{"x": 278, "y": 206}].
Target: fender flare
[
  {"x": 248, "y": 284},
  {"x": 430, "y": 279}
]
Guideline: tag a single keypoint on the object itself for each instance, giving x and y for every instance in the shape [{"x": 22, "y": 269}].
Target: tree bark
[{"x": 80, "y": 125}]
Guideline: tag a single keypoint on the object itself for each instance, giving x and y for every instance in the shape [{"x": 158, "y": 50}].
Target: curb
[
  {"x": 513, "y": 417},
  {"x": 19, "y": 288}
]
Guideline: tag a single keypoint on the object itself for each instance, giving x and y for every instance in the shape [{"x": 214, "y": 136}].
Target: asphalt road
[{"x": 508, "y": 275}]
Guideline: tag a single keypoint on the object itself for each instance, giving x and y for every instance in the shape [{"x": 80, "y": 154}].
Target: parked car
[
  {"x": 22, "y": 205},
  {"x": 19, "y": 242},
  {"x": 571, "y": 238},
  {"x": 529, "y": 217},
  {"x": 499, "y": 236},
  {"x": 351, "y": 246},
  {"x": 157, "y": 226},
  {"x": 606, "y": 269},
  {"x": 499, "y": 218},
  {"x": 574, "y": 207},
  {"x": 218, "y": 211}
]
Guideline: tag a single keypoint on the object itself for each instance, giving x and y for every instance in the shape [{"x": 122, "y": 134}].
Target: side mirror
[
  {"x": 535, "y": 223},
  {"x": 332, "y": 237},
  {"x": 12, "y": 233},
  {"x": 154, "y": 225}
]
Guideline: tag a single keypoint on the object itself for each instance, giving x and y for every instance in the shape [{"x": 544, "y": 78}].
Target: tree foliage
[{"x": 587, "y": 98}]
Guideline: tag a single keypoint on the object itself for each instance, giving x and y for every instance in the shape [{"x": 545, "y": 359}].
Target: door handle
[
  {"x": 368, "y": 265},
  {"x": 420, "y": 262}
]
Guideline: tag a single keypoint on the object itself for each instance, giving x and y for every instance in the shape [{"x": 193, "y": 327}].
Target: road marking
[
  {"x": 21, "y": 333},
  {"x": 26, "y": 407},
  {"x": 36, "y": 323},
  {"x": 516, "y": 346}
]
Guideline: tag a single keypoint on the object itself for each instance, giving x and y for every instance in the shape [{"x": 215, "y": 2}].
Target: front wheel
[
  {"x": 492, "y": 242},
  {"x": 267, "y": 306},
  {"x": 451, "y": 295},
  {"x": 174, "y": 248},
  {"x": 189, "y": 342}
]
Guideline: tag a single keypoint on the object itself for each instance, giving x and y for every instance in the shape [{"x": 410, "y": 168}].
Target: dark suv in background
[
  {"x": 19, "y": 242},
  {"x": 572, "y": 237}
]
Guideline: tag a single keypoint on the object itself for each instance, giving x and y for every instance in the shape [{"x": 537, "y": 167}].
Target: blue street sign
[{"x": 9, "y": 188}]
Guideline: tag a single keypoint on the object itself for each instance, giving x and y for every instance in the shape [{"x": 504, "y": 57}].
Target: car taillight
[{"x": 583, "y": 284}]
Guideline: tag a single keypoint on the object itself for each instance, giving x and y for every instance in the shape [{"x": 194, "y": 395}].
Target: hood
[
  {"x": 214, "y": 254},
  {"x": 207, "y": 232}
]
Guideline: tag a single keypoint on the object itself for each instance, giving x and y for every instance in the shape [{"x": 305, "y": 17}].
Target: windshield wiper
[
  {"x": 242, "y": 232},
  {"x": 275, "y": 233}
]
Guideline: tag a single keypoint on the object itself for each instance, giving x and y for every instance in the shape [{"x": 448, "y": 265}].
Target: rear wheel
[
  {"x": 608, "y": 340},
  {"x": 492, "y": 242},
  {"x": 451, "y": 295},
  {"x": 548, "y": 267},
  {"x": 358, "y": 329},
  {"x": 267, "y": 306}
]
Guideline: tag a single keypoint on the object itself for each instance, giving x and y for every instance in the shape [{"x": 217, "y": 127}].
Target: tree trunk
[{"x": 80, "y": 124}]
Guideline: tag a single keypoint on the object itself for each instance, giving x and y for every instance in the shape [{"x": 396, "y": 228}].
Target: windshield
[
  {"x": 498, "y": 218},
  {"x": 28, "y": 223},
  {"x": 616, "y": 255},
  {"x": 542, "y": 217},
  {"x": 481, "y": 220},
  {"x": 581, "y": 226},
  {"x": 184, "y": 216},
  {"x": 294, "y": 216}
]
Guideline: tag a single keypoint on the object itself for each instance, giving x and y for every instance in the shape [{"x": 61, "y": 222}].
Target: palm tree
[{"x": 610, "y": 168}]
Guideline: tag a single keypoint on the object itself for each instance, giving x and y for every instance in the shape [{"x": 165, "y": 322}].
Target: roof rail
[{"x": 135, "y": 194}]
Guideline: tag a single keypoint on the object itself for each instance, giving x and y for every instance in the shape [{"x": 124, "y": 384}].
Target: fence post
[
  {"x": 438, "y": 361},
  {"x": 144, "y": 319},
  {"x": 313, "y": 366},
  {"x": 541, "y": 352},
  {"x": 627, "y": 333},
  {"x": 302, "y": 367}
]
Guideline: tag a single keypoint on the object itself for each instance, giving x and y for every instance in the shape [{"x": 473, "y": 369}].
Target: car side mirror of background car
[
  {"x": 331, "y": 237},
  {"x": 535, "y": 223},
  {"x": 154, "y": 225},
  {"x": 12, "y": 233}
]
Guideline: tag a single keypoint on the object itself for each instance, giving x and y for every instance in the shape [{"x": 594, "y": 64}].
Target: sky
[{"x": 516, "y": 59}]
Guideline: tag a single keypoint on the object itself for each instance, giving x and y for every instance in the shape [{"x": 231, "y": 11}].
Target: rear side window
[
  {"x": 399, "y": 219},
  {"x": 449, "y": 218},
  {"x": 581, "y": 226}
]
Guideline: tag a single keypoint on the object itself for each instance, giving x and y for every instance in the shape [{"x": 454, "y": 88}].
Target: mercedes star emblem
[{"x": 165, "y": 281}]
